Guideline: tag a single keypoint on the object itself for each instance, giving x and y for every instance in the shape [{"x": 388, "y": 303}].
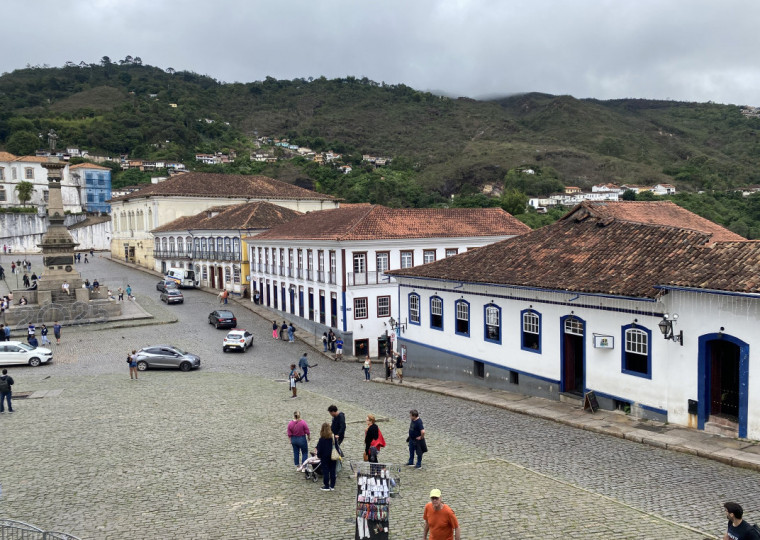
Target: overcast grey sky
[{"x": 695, "y": 50}]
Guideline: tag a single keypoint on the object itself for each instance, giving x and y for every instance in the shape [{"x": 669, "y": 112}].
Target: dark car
[
  {"x": 166, "y": 356},
  {"x": 222, "y": 318},
  {"x": 172, "y": 296},
  {"x": 164, "y": 286}
]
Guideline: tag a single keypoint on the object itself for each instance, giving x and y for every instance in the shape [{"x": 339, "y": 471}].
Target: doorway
[
  {"x": 361, "y": 348},
  {"x": 573, "y": 379},
  {"x": 220, "y": 281},
  {"x": 212, "y": 277},
  {"x": 723, "y": 382}
]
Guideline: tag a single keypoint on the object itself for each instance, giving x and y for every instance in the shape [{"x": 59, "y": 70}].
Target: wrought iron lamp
[
  {"x": 666, "y": 327},
  {"x": 397, "y": 325}
]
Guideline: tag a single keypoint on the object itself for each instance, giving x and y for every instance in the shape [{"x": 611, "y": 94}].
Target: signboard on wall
[{"x": 604, "y": 342}]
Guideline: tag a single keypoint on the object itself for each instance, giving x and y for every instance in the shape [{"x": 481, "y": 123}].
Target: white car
[
  {"x": 237, "y": 338},
  {"x": 18, "y": 352}
]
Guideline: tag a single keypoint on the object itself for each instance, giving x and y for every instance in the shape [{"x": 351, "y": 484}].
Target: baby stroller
[{"x": 311, "y": 468}]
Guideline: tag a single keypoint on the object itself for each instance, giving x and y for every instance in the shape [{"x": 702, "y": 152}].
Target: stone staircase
[{"x": 60, "y": 297}]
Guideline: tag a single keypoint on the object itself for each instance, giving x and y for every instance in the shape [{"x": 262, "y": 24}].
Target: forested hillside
[{"x": 440, "y": 147}]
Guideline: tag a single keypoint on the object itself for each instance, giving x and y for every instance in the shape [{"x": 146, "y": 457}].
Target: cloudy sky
[{"x": 693, "y": 50}]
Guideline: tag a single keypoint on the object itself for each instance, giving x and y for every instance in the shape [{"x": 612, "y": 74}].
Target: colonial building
[
  {"x": 15, "y": 169},
  {"x": 95, "y": 186},
  {"x": 328, "y": 269},
  {"x": 134, "y": 215},
  {"x": 212, "y": 242},
  {"x": 650, "y": 306}
]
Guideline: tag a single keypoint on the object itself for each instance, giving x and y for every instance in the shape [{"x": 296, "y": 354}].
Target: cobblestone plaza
[{"x": 205, "y": 455}]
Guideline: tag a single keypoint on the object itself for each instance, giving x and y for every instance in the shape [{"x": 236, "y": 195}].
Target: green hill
[{"x": 440, "y": 146}]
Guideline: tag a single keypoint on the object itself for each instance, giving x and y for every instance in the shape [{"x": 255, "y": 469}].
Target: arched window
[
  {"x": 171, "y": 245},
  {"x": 115, "y": 219},
  {"x": 219, "y": 245},
  {"x": 637, "y": 356},
  {"x": 164, "y": 244},
  {"x": 436, "y": 313},
  {"x": 150, "y": 219},
  {"x": 462, "y": 308},
  {"x": 414, "y": 308},
  {"x": 180, "y": 245},
  {"x": 3, "y": 196},
  {"x": 124, "y": 226},
  {"x": 227, "y": 274},
  {"x": 493, "y": 323},
  {"x": 227, "y": 245},
  {"x": 189, "y": 243},
  {"x": 530, "y": 332}
]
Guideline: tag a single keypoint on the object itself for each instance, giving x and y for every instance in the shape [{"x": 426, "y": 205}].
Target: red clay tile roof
[
  {"x": 607, "y": 256},
  {"x": 724, "y": 266},
  {"x": 7, "y": 156},
  {"x": 225, "y": 185},
  {"x": 88, "y": 166},
  {"x": 655, "y": 213},
  {"x": 371, "y": 222},
  {"x": 33, "y": 159},
  {"x": 89, "y": 220},
  {"x": 255, "y": 215}
]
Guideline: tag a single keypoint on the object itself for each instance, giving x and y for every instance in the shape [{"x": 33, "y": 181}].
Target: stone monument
[{"x": 57, "y": 243}]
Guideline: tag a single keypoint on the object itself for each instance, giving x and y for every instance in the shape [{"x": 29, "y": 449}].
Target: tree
[
  {"x": 514, "y": 202},
  {"x": 628, "y": 195},
  {"x": 22, "y": 143},
  {"x": 25, "y": 190}
]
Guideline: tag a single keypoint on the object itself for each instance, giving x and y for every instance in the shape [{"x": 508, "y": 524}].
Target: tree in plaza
[{"x": 25, "y": 190}]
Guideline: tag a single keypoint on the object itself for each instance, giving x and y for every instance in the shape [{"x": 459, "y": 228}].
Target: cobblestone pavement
[{"x": 204, "y": 454}]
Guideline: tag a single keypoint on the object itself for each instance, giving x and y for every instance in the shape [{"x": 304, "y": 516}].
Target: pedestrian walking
[
  {"x": 389, "y": 365},
  {"x": 400, "y": 368},
  {"x": 275, "y": 328},
  {"x": 416, "y": 439},
  {"x": 13, "y": 267},
  {"x": 132, "y": 361},
  {"x": 367, "y": 367},
  {"x": 324, "y": 341},
  {"x": 324, "y": 453},
  {"x": 293, "y": 379},
  {"x": 120, "y": 292},
  {"x": 338, "y": 348},
  {"x": 440, "y": 520},
  {"x": 85, "y": 259},
  {"x": 44, "y": 334},
  {"x": 738, "y": 529},
  {"x": 299, "y": 435},
  {"x": 6, "y": 382},
  {"x": 30, "y": 331},
  {"x": 303, "y": 363},
  {"x": 7, "y": 332},
  {"x": 331, "y": 339},
  {"x": 283, "y": 330},
  {"x": 291, "y": 333},
  {"x": 371, "y": 434},
  {"x": 57, "y": 332},
  {"x": 129, "y": 292},
  {"x": 338, "y": 425},
  {"x": 25, "y": 280}
]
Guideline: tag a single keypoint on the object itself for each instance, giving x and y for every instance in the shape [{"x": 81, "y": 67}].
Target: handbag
[
  {"x": 334, "y": 455},
  {"x": 421, "y": 445}
]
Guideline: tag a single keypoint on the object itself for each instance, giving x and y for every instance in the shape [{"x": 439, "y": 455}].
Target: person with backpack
[
  {"x": 738, "y": 529},
  {"x": 6, "y": 381},
  {"x": 132, "y": 361}
]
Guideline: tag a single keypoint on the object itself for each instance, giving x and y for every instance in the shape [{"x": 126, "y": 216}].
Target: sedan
[
  {"x": 18, "y": 352},
  {"x": 238, "y": 339},
  {"x": 172, "y": 296},
  {"x": 166, "y": 356},
  {"x": 222, "y": 318},
  {"x": 164, "y": 286}
]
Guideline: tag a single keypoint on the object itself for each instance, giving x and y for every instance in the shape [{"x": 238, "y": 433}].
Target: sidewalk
[{"x": 735, "y": 452}]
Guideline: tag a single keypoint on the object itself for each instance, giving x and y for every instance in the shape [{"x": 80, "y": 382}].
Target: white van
[{"x": 185, "y": 279}]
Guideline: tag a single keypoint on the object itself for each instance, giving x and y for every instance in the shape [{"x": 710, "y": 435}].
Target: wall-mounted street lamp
[
  {"x": 397, "y": 325},
  {"x": 666, "y": 327}
]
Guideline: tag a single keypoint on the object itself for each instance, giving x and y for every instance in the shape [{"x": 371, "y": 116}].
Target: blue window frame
[
  {"x": 492, "y": 326},
  {"x": 414, "y": 309},
  {"x": 436, "y": 312},
  {"x": 637, "y": 351},
  {"x": 530, "y": 331},
  {"x": 462, "y": 318}
]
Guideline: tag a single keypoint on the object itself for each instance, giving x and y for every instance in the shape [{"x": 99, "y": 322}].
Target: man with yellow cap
[{"x": 440, "y": 520}]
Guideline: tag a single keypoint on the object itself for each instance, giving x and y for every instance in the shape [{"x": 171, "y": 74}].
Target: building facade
[
  {"x": 328, "y": 269},
  {"x": 136, "y": 214},
  {"x": 95, "y": 186},
  {"x": 15, "y": 169},
  {"x": 650, "y": 307}
]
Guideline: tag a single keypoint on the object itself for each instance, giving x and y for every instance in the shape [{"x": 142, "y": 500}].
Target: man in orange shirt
[{"x": 440, "y": 520}]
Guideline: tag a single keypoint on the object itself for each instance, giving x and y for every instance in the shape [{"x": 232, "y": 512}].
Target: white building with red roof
[{"x": 328, "y": 269}]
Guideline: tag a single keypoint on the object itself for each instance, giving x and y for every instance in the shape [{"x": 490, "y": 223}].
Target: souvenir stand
[{"x": 376, "y": 483}]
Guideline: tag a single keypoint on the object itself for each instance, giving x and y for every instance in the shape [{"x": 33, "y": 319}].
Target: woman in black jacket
[
  {"x": 324, "y": 453},
  {"x": 372, "y": 433}
]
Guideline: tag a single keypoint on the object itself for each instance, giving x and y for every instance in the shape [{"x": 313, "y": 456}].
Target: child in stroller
[{"x": 311, "y": 467}]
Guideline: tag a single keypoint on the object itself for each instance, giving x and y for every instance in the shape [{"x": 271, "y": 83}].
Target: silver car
[{"x": 166, "y": 356}]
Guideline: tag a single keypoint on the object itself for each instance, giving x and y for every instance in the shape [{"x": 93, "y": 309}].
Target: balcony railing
[
  {"x": 321, "y": 276},
  {"x": 331, "y": 277},
  {"x": 309, "y": 274},
  {"x": 368, "y": 278},
  {"x": 170, "y": 254}
]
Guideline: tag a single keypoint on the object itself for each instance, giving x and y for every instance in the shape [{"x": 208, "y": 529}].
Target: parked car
[
  {"x": 166, "y": 356},
  {"x": 222, "y": 318},
  {"x": 238, "y": 339},
  {"x": 172, "y": 296},
  {"x": 164, "y": 286},
  {"x": 18, "y": 352}
]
